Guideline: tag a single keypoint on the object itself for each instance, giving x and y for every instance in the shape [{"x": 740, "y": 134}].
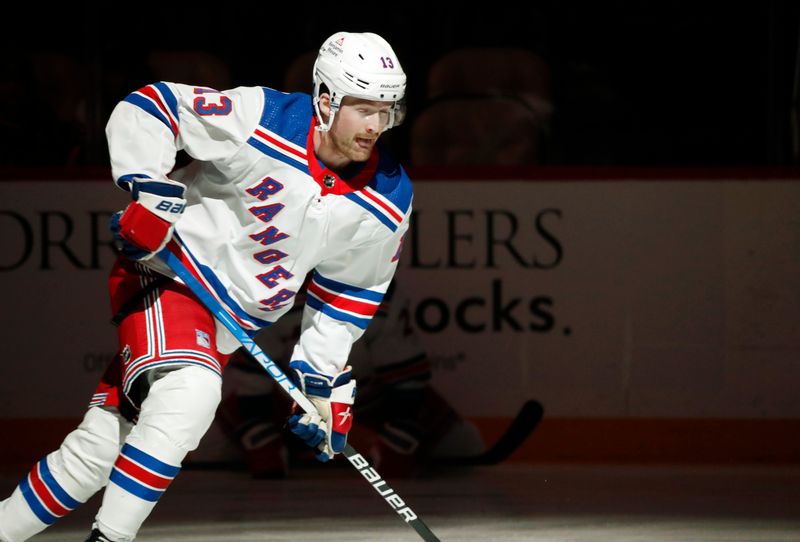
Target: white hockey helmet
[{"x": 361, "y": 65}]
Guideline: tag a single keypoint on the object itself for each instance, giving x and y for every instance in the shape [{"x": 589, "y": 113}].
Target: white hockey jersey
[{"x": 263, "y": 211}]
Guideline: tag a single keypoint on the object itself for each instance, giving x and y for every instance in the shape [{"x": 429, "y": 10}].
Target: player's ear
[{"x": 325, "y": 105}]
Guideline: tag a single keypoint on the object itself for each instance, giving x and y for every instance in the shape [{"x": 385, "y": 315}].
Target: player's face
[{"x": 357, "y": 126}]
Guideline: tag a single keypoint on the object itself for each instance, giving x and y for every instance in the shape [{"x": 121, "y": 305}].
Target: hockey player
[
  {"x": 409, "y": 423},
  {"x": 280, "y": 184}
]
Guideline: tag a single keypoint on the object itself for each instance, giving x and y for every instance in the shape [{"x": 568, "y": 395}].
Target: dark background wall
[{"x": 633, "y": 83}]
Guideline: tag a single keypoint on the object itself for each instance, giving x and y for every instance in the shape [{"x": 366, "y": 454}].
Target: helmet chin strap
[{"x": 323, "y": 126}]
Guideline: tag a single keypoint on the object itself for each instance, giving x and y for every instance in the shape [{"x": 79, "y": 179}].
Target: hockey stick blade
[
  {"x": 521, "y": 427},
  {"x": 357, "y": 460}
]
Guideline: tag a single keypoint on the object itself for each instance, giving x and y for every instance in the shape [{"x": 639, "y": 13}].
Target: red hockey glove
[{"x": 145, "y": 226}]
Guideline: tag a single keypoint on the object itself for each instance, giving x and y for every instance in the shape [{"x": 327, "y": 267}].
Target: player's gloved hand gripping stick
[
  {"x": 356, "y": 459},
  {"x": 146, "y": 224}
]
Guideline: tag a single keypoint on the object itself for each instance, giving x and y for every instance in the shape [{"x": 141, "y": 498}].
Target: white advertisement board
[{"x": 674, "y": 298}]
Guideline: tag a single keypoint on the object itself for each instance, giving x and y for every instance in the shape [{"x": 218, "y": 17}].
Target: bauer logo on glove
[{"x": 146, "y": 224}]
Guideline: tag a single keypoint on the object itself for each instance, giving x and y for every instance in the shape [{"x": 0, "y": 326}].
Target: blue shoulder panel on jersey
[
  {"x": 391, "y": 181},
  {"x": 287, "y": 115},
  {"x": 389, "y": 196}
]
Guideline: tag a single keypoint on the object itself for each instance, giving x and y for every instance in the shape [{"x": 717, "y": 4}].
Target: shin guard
[{"x": 176, "y": 413}]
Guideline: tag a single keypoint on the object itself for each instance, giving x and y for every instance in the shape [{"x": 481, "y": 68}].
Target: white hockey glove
[
  {"x": 146, "y": 224},
  {"x": 333, "y": 396}
]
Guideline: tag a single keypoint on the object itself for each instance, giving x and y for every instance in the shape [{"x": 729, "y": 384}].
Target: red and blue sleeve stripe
[
  {"x": 342, "y": 301},
  {"x": 141, "y": 474},
  {"x": 381, "y": 207},
  {"x": 159, "y": 101},
  {"x": 47, "y": 499}
]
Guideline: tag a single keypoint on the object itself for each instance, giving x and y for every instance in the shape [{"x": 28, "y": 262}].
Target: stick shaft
[{"x": 355, "y": 459}]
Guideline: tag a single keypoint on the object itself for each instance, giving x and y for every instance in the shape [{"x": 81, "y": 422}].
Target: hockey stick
[
  {"x": 520, "y": 428},
  {"x": 356, "y": 459}
]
